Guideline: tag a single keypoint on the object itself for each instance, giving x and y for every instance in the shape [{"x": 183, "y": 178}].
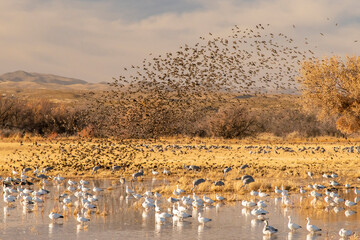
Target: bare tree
[{"x": 333, "y": 87}]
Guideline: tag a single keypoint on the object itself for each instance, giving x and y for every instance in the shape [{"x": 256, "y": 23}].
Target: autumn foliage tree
[{"x": 332, "y": 86}]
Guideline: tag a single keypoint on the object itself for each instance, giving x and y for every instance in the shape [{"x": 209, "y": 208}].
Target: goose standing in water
[
  {"x": 345, "y": 233},
  {"x": 312, "y": 228},
  {"x": 268, "y": 230},
  {"x": 54, "y": 216},
  {"x": 203, "y": 220},
  {"x": 128, "y": 190},
  {"x": 154, "y": 172},
  {"x": 122, "y": 179},
  {"x": 219, "y": 198},
  {"x": 293, "y": 226},
  {"x": 82, "y": 220}
]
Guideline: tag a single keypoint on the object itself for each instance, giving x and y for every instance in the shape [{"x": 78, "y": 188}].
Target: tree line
[{"x": 330, "y": 105}]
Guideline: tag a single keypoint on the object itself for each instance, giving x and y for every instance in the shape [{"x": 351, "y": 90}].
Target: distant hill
[{"x": 22, "y": 79}]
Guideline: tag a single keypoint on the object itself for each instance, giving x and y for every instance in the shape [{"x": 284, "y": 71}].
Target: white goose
[
  {"x": 248, "y": 203},
  {"x": 154, "y": 172},
  {"x": 14, "y": 172},
  {"x": 349, "y": 203},
  {"x": 219, "y": 198},
  {"x": 182, "y": 215},
  {"x": 202, "y": 219},
  {"x": 54, "y": 216},
  {"x": 207, "y": 199},
  {"x": 349, "y": 212},
  {"x": 261, "y": 204},
  {"x": 8, "y": 198},
  {"x": 315, "y": 194},
  {"x": 179, "y": 190},
  {"x": 262, "y": 194},
  {"x": 254, "y": 193},
  {"x": 293, "y": 226},
  {"x": 164, "y": 215},
  {"x": 181, "y": 208},
  {"x": 82, "y": 220},
  {"x": 277, "y": 191},
  {"x": 345, "y": 233},
  {"x": 258, "y": 211},
  {"x": 128, "y": 190},
  {"x": 268, "y": 230},
  {"x": 312, "y": 228}
]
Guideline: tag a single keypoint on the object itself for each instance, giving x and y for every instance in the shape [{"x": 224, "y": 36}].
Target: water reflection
[
  {"x": 54, "y": 228},
  {"x": 246, "y": 212},
  {"x": 201, "y": 228},
  {"x": 312, "y": 236}
]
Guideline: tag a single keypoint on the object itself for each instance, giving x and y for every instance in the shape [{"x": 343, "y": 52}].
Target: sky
[{"x": 94, "y": 40}]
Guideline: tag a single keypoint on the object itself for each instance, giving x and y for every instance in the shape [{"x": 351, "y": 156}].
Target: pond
[{"x": 125, "y": 218}]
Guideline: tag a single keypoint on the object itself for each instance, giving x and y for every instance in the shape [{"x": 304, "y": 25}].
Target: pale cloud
[{"x": 94, "y": 40}]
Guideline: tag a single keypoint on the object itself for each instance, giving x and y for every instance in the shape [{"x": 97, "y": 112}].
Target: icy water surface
[{"x": 127, "y": 219}]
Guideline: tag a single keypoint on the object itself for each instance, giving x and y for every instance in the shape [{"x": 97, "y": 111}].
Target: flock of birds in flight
[{"x": 252, "y": 60}]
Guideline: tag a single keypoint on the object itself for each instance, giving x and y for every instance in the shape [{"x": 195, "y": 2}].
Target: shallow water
[{"x": 128, "y": 220}]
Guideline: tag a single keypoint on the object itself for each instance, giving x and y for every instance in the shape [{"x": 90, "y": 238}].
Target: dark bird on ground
[
  {"x": 140, "y": 173},
  {"x": 194, "y": 168},
  {"x": 246, "y": 179},
  {"x": 42, "y": 176},
  {"x": 95, "y": 169},
  {"x": 27, "y": 169},
  {"x": 242, "y": 167},
  {"x": 219, "y": 183},
  {"x": 47, "y": 169},
  {"x": 197, "y": 182},
  {"x": 226, "y": 170},
  {"x": 115, "y": 168}
]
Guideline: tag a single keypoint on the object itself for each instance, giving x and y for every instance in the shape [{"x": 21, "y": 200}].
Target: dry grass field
[{"x": 276, "y": 166}]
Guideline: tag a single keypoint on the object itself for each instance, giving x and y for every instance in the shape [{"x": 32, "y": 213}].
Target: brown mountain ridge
[{"x": 26, "y": 80}]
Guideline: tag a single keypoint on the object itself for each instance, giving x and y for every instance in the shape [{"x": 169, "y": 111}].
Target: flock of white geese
[{"x": 85, "y": 198}]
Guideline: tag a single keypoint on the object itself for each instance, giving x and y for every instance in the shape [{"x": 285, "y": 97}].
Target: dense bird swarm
[{"x": 182, "y": 86}]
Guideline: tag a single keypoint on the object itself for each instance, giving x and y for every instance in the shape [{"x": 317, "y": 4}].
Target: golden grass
[
  {"x": 356, "y": 236},
  {"x": 74, "y": 157}
]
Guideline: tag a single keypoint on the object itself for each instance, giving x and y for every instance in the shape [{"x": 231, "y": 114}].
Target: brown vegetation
[
  {"x": 40, "y": 117},
  {"x": 230, "y": 118},
  {"x": 332, "y": 88}
]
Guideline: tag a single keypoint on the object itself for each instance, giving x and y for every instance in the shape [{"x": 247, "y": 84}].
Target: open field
[{"x": 271, "y": 164}]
